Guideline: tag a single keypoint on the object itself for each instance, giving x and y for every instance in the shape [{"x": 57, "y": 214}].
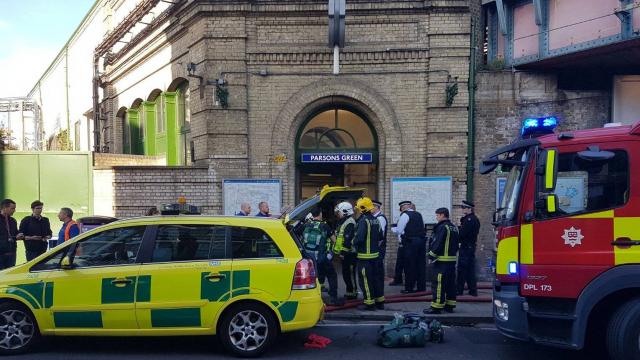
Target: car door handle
[
  {"x": 215, "y": 277},
  {"x": 624, "y": 242},
  {"x": 121, "y": 282}
]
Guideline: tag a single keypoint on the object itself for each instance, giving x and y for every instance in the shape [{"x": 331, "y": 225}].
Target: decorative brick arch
[{"x": 338, "y": 91}]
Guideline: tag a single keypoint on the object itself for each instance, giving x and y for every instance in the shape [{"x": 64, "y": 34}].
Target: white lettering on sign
[{"x": 534, "y": 287}]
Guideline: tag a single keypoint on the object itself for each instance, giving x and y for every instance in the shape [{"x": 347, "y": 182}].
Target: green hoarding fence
[{"x": 59, "y": 179}]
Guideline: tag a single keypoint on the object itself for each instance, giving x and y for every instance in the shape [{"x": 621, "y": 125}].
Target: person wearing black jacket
[
  {"x": 443, "y": 254},
  {"x": 8, "y": 234},
  {"x": 367, "y": 247},
  {"x": 37, "y": 231},
  {"x": 469, "y": 229}
]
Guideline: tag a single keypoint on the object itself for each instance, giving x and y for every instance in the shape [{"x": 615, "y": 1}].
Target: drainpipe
[
  {"x": 470, "y": 121},
  {"x": 66, "y": 95},
  {"x": 96, "y": 106}
]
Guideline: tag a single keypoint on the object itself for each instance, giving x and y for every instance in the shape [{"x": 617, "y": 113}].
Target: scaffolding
[{"x": 20, "y": 118}]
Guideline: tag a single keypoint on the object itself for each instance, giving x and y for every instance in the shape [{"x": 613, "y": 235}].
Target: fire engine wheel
[
  {"x": 623, "y": 333},
  {"x": 18, "y": 329},
  {"x": 248, "y": 329}
]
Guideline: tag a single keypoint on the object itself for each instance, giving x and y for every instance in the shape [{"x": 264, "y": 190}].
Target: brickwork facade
[
  {"x": 399, "y": 58},
  {"x": 503, "y": 100}
]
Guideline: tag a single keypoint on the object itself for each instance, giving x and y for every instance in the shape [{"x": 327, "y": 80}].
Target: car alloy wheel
[
  {"x": 248, "y": 330},
  {"x": 16, "y": 329}
]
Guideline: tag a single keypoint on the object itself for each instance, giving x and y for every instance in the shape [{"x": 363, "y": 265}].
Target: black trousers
[
  {"x": 467, "y": 270},
  {"x": 349, "y": 274},
  {"x": 372, "y": 290},
  {"x": 7, "y": 260},
  {"x": 397, "y": 278},
  {"x": 326, "y": 270},
  {"x": 380, "y": 273},
  {"x": 443, "y": 285},
  {"x": 415, "y": 265}
]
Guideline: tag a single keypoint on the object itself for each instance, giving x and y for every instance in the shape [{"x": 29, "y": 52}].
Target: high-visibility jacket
[
  {"x": 444, "y": 245},
  {"x": 343, "y": 244}
]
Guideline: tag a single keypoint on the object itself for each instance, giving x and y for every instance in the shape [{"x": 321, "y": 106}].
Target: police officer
[
  {"x": 345, "y": 231},
  {"x": 469, "y": 228},
  {"x": 410, "y": 229},
  {"x": 366, "y": 243},
  {"x": 442, "y": 252},
  {"x": 317, "y": 242},
  {"x": 377, "y": 213}
]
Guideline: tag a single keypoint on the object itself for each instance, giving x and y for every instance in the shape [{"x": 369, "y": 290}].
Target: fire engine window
[{"x": 589, "y": 186}]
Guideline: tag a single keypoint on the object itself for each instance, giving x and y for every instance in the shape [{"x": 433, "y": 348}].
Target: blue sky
[{"x": 32, "y": 32}]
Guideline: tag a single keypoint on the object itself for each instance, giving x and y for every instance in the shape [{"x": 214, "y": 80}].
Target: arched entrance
[{"x": 336, "y": 146}]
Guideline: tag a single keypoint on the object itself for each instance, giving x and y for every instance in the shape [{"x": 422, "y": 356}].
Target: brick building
[{"x": 241, "y": 89}]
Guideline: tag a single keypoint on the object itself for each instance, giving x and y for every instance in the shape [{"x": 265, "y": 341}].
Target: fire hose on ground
[{"x": 422, "y": 296}]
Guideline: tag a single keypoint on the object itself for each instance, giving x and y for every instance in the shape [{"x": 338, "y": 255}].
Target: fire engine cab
[{"x": 568, "y": 237}]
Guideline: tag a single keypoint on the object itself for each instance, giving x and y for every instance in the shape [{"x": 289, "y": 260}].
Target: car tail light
[{"x": 304, "y": 276}]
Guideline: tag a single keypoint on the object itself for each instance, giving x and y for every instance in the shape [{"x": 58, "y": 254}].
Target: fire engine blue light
[
  {"x": 543, "y": 125},
  {"x": 550, "y": 122},
  {"x": 513, "y": 268}
]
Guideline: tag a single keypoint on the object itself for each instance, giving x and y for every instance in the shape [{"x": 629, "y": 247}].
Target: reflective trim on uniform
[
  {"x": 438, "y": 303},
  {"x": 380, "y": 299},
  {"x": 450, "y": 303},
  {"x": 446, "y": 243},
  {"x": 447, "y": 258},
  {"x": 432, "y": 254},
  {"x": 367, "y": 293},
  {"x": 368, "y": 256}
]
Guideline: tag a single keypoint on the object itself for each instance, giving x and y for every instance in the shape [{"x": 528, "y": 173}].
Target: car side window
[
  {"x": 52, "y": 261},
  {"x": 585, "y": 186},
  {"x": 189, "y": 243},
  {"x": 252, "y": 243},
  {"x": 111, "y": 247}
]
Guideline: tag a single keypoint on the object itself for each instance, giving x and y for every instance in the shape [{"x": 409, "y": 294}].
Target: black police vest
[
  {"x": 384, "y": 231},
  {"x": 415, "y": 226}
]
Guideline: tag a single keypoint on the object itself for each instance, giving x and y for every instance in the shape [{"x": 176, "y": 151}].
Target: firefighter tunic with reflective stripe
[
  {"x": 368, "y": 237},
  {"x": 444, "y": 246}
]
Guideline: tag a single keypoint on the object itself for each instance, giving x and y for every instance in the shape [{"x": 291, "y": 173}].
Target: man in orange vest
[{"x": 69, "y": 228}]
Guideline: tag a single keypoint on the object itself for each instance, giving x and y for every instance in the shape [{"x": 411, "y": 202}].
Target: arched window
[
  {"x": 184, "y": 123},
  {"x": 121, "y": 115},
  {"x": 337, "y": 129},
  {"x": 160, "y": 120}
]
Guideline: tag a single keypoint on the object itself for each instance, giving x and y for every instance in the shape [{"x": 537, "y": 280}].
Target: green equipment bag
[
  {"x": 410, "y": 330},
  {"x": 312, "y": 236}
]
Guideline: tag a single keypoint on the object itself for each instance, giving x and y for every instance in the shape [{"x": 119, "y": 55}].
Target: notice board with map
[
  {"x": 427, "y": 193},
  {"x": 253, "y": 191}
]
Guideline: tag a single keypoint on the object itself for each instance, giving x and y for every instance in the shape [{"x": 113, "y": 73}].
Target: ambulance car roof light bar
[{"x": 532, "y": 127}]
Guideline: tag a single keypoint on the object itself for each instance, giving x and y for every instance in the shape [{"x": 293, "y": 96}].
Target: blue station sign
[{"x": 343, "y": 158}]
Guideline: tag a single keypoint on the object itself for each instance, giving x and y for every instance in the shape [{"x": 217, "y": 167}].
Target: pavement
[{"x": 469, "y": 310}]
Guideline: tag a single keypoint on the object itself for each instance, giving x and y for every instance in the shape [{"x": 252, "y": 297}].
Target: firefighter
[
  {"x": 317, "y": 243},
  {"x": 377, "y": 213},
  {"x": 442, "y": 253},
  {"x": 410, "y": 230},
  {"x": 345, "y": 231},
  {"x": 469, "y": 228},
  {"x": 366, "y": 243}
]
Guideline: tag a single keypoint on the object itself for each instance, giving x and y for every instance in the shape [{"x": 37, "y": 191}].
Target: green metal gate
[{"x": 59, "y": 179}]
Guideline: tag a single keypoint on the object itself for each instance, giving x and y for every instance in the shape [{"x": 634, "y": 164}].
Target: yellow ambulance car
[{"x": 242, "y": 278}]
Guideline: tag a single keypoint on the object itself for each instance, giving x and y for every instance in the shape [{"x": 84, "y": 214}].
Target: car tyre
[
  {"x": 623, "y": 332},
  {"x": 19, "y": 331},
  {"x": 248, "y": 329}
]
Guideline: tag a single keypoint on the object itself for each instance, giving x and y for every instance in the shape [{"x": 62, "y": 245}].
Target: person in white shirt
[{"x": 412, "y": 237}]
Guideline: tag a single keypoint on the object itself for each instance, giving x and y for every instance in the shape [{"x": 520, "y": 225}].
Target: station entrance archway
[{"x": 336, "y": 146}]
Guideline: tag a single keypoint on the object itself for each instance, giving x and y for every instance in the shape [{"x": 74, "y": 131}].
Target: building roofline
[{"x": 83, "y": 22}]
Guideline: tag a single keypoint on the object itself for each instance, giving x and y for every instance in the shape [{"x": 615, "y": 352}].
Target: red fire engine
[{"x": 568, "y": 237}]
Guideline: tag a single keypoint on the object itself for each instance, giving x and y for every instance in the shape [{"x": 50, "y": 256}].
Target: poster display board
[
  {"x": 427, "y": 193},
  {"x": 253, "y": 191}
]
